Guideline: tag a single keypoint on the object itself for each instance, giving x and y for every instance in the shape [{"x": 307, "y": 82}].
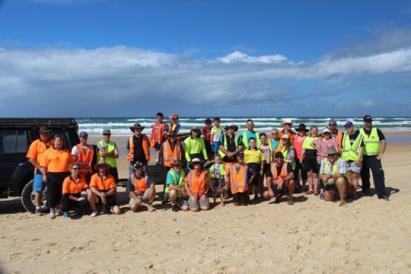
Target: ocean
[{"x": 120, "y": 126}]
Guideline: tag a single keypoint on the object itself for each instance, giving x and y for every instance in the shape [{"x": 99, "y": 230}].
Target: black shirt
[
  {"x": 231, "y": 147},
  {"x": 139, "y": 154}
]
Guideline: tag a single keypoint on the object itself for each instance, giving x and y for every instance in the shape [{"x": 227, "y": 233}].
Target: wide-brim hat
[
  {"x": 44, "y": 130},
  {"x": 196, "y": 129},
  {"x": 136, "y": 126},
  {"x": 286, "y": 121},
  {"x": 233, "y": 126},
  {"x": 302, "y": 127},
  {"x": 194, "y": 162},
  {"x": 100, "y": 165}
]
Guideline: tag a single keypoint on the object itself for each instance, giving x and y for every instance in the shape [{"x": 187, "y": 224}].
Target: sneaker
[
  {"x": 94, "y": 214},
  {"x": 150, "y": 208},
  {"x": 58, "y": 212},
  {"x": 52, "y": 214},
  {"x": 367, "y": 192},
  {"x": 37, "y": 211},
  {"x": 175, "y": 208},
  {"x": 103, "y": 211},
  {"x": 385, "y": 198},
  {"x": 277, "y": 199},
  {"x": 66, "y": 215}
]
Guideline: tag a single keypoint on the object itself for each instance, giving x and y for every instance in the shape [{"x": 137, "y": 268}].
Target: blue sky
[{"x": 131, "y": 58}]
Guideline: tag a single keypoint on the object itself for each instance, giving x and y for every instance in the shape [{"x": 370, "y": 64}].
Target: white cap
[
  {"x": 326, "y": 130},
  {"x": 287, "y": 121}
]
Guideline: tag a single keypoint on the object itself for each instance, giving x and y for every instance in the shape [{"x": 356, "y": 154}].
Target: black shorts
[
  {"x": 241, "y": 198},
  {"x": 310, "y": 162},
  {"x": 254, "y": 169},
  {"x": 266, "y": 168},
  {"x": 111, "y": 201}
]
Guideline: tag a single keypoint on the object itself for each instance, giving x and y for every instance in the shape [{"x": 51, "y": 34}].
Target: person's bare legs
[
  {"x": 310, "y": 182},
  {"x": 341, "y": 185},
  {"x": 354, "y": 179},
  {"x": 92, "y": 201},
  {"x": 115, "y": 210},
  {"x": 291, "y": 190},
  {"x": 316, "y": 180},
  {"x": 329, "y": 195}
]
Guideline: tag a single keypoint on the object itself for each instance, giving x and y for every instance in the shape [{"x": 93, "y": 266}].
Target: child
[
  {"x": 216, "y": 132},
  {"x": 217, "y": 174},
  {"x": 254, "y": 159},
  {"x": 238, "y": 181},
  {"x": 265, "y": 148}
]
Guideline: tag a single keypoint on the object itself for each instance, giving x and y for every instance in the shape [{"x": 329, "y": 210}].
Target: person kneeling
[
  {"x": 144, "y": 191},
  {"x": 280, "y": 180},
  {"x": 71, "y": 197},
  {"x": 332, "y": 173},
  {"x": 196, "y": 185},
  {"x": 175, "y": 192},
  {"x": 103, "y": 191}
]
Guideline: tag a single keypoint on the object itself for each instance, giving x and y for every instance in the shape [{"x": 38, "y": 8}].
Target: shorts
[
  {"x": 281, "y": 191},
  {"x": 241, "y": 198},
  {"x": 143, "y": 197},
  {"x": 38, "y": 184},
  {"x": 180, "y": 195},
  {"x": 111, "y": 201},
  {"x": 254, "y": 169},
  {"x": 198, "y": 204},
  {"x": 310, "y": 164},
  {"x": 266, "y": 168},
  {"x": 219, "y": 183},
  {"x": 353, "y": 167}
]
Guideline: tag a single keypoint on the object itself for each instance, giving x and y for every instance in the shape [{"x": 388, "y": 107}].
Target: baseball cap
[
  {"x": 367, "y": 118},
  {"x": 348, "y": 124},
  {"x": 326, "y": 130},
  {"x": 83, "y": 134}
]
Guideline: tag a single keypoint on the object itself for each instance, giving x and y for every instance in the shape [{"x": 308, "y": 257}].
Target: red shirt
[{"x": 207, "y": 133}]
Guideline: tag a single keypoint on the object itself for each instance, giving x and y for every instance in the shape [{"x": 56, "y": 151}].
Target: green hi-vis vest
[
  {"x": 371, "y": 142},
  {"x": 350, "y": 152},
  {"x": 179, "y": 182},
  {"x": 307, "y": 143},
  {"x": 109, "y": 147},
  {"x": 211, "y": 171},
  {"x": 286, "y": 155},
  {"x": 244, "y": 139},
  {"x": 222, "y": 154},
  {"x": 331, "y": 169}
]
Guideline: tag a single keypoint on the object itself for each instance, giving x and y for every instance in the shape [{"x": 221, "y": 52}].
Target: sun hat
[
  {"x": 286, "y": 121},
  {"x": 301, "y": 127},
  {"x": 194, "y": 162},
  {"x": 137, "y": 126},
  {"x": 233, "y": 126},
  {"x": 106, "y": 132}
]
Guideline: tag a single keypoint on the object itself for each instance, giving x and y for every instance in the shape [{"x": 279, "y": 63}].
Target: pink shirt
[
  {"x": 298, "y": 145},
  {"x": 322, "y": 147}
]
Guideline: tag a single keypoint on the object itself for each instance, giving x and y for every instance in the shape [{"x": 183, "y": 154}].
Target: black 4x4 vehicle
[{"x": 16, "y": 135}]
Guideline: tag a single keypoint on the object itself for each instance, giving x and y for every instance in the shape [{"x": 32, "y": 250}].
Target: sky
[{"x": 86, "y": 58}]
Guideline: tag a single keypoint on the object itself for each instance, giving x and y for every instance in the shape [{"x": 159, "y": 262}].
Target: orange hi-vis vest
[
  {"x": 146, "y": 148},
  {"x": 197, "y": 182},
  {"x": 169, "y": 155},
  {"x": 238, "y": 179},
  {"x": 84, "y": 158},
  {"x": 140, "y": 185},
  {"x": 157, "y": 133},
  {"x": 283, "y": 173}
]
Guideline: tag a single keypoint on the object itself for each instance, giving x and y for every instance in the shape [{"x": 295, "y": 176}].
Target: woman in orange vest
[
  {"x": 83, "y": 154},
  {"x": 158, "y": 131},
  {"x": 196, "y": 185},
  {"x": 143, "y": 189},
  {"x": 280, "y": 180},
  {"x": 237, "y": 173},
  {"x": 55, "y": 168},
  {"x": 73, "y": 186},
  {"x": 171, "y": 150}
]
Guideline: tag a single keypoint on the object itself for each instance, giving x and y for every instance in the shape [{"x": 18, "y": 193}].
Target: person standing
[
  {"x": 374, "y": 147},
  {"x": 244, "y": 138},
  {"x": 336, "y": 133},
  {"x": 108, "y": 153},
  {"x": 55, "y": 166},
  {"x": 174, "y": 125},
  {"x": 275, "y": 141},
  {"x": 83, "y": 154},
  {"x": 323, "y": 143},
  {"x": 158, "y": 131},
  {"x": 310, "y": 164},
  {"x": 298, "y": 146},
  {"x": 206, "y": 131},
  {"x": 216, "y": 132},
  {"x": 34, "y": 154},
  {"x": 194, "y": 146},
  {"x": 287, "y": 124},
  {"x": 229, "y": 146},
  {"x": 238, "y": 181},
  {"x": 138, "y": 147}
]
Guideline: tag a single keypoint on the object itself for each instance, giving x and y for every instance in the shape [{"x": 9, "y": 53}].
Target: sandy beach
[{"x": 312, "y": 236}]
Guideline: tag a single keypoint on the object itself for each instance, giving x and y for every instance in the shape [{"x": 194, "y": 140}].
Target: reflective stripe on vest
[
  {"x": 169, "y": 155},
  {"x": 211, "y": 171},
  {"x": 144, "y": 143},
  {"x": 286, "y": 154},
  {"x": 274, "y": 172},
  {"x": 197, "y": 183},
  {"x": 157, "y": 133},
  {"x": 371, "y": 142},
  {"x": 110, "y": 147},
  {"x": 331, "y": 170},
  {"x": 180, "y": 181},
  {"x": 84, "y": 159},
  {"x": 225, "y": 144},
  {"x": 349, "y": 152},
  {"x": 140, "y": 185},
  {"x": 238, "y": 179}
]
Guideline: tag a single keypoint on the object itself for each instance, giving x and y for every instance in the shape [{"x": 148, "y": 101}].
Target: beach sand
[{"x": 312, "y": 236}]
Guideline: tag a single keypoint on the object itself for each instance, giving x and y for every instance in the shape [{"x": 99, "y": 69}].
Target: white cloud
[
  {"x": 122, "y": 80},
  {"x": 239, "y": 57}
]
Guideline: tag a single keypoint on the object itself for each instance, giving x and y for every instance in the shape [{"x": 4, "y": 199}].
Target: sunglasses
[
  {"x": 75, "y": 168},
  {"x": 107, "y": 134}
]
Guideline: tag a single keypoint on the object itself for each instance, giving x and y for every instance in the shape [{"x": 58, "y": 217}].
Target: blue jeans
[{"x": 215, "y": 147}]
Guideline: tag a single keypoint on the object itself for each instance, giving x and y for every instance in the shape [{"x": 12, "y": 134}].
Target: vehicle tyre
[{"x": 27, "y": 197}]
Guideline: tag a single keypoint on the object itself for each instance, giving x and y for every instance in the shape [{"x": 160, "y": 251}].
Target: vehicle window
[{"x": 13, "y": 141}]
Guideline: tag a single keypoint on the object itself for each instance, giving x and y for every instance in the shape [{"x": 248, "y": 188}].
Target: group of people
[{"x": 212, "y": 162}]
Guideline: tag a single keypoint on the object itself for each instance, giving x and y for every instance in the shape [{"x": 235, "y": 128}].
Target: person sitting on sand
[
  {"x": 103, "y": 191},
  {"x": 194, "y": 146},
  {"x": 238, "y": 181},
  {"x": 196, "y": 185},
  {"x": 280, "y": 180},
  {"x": 143, "y": 190},
  {"x": 73, "y": 186},
  {"x": 217, "y": 175},
  {"x": 175, "y": 192},
  {"x": 332, "y": 172}
]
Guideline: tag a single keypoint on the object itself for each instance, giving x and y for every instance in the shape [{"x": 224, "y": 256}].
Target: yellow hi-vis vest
[
  {"x": 350, "y": 152},
  {"x": 244, "y": 139},
  {"x": 109, "y": 147},
  {"x": 371, "y": 142}
]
